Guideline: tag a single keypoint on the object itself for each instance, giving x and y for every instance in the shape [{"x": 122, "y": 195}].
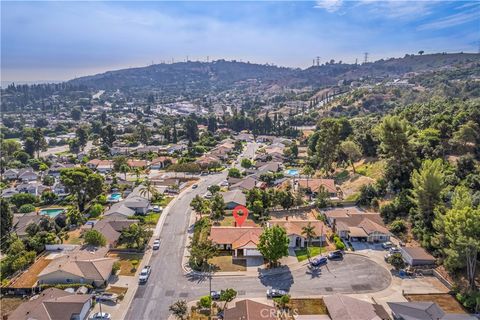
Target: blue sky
[{"x": 47, "y": 40}]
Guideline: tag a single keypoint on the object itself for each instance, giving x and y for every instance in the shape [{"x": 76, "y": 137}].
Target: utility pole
[
  {"x": 313, "y": 63},
  {"x": 366, "y": 57},
  {"x": 318, "y": 61}
]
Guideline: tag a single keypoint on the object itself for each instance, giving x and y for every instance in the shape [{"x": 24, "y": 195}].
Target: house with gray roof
[
  {"x": 423, "y": 311},
  {"x": 234, "y": 198}
]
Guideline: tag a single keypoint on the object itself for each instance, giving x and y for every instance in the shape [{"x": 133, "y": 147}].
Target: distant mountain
[{"x": 201, "y": 76}]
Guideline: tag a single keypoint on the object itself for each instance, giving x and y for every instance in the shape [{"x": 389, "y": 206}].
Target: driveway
[{"x": 360, "y": 246}]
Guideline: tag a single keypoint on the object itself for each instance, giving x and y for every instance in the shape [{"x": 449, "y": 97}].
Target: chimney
[{"x": 286, "y": 218}]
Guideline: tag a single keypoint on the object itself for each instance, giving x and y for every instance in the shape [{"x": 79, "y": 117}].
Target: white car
[
  {"x": 224, "y": 183},
  {"x": 144, "y": 274},
  {"x": 156, "y": 244},
  {"x": 101, "y": 316},
  {"x": 157, "y": 209}
]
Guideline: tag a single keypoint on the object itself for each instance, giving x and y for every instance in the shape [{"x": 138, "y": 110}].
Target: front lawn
[
  {"x": 9, "y": 304},
  {"x": 128, "y": 262},
  {"x": 151, "y": 219},
  {"x": 30, "y": 277},
  {"x": 226, "y": 263},
  {"x": 374, "y": 169},
  {"x": 117, "y": 290},
  {"x": 302, "y": 253}
]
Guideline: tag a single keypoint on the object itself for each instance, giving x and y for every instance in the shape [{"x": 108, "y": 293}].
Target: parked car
[
  {"x": 107, "y": 297},
  {"x": 319, "y": 261},
  {"x": 387, "y": 245},
  {"x": 335, "y": 255},
  {"x": 208, "y": 195},
  {"x": 195, "y": 186},
  {"x": 157, "y": 209},
  {"x": 215, "y": 294},
  {"x": 156, "y": 244},
  {"x": 101, "y": 316},
  {"x": 203, "y": 173},
  {"x": 224, "y": 183},
  {"x": 144, "y": 274},
  {"x": 394, "y": 250},
  {"x": 275, "y": 293}
]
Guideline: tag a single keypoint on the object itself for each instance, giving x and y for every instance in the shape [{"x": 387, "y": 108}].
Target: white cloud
[
  {"x": 406, "y": 10},
  {"x": 451, "y": 21},
  {"x": 329, "y": 5}
]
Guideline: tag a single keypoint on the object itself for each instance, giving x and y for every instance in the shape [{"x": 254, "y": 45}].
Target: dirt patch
[
  {"x": 352, "y": 186},
  {"x": 448, "y": 303},
  {"x": 308, "y": 306},
  {"x": 29, "y": 277},
  {"x": 127, "y": 262},
  {"x": 9, "y": 304},
  {"x": 74, "y": 237},
  {"x": 117, "y": 290}
]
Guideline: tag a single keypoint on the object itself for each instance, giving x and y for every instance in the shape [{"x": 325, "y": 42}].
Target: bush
[
  {"x": 64, "y": 286},
  {"x": 94, "y": 238},
  {"x": 396, "y": 260},
  {"x": 48, "y": 197},
  {"x": 115, "y": 267},
  {"x": 339, "y": 245},
  {"x": 20, "y": 199},
  {"x": 398, "y": 226},
  {"x": 205, "y": 302},
  {"x": 95, "y": 210},
  {"x": 26, "y": 208},
  {"x": 469, "y": 300}
]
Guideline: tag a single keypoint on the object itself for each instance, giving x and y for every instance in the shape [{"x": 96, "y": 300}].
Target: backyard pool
[
  {"x": 115, "y": 197},
  {"x": 291, "y": 172},
  {"x": 52, "y": 213}
]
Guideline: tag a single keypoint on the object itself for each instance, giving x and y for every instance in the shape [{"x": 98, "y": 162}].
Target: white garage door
[{"x": 251, "y": 253}]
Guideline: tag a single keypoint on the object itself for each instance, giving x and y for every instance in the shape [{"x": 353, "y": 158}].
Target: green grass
[
  {"x": 302, "y": 253},
  {"x": 308, "y": 306},
  {"x": 352, "y": 197},
  {"x": 342, "y": 176},
  {"x": 372, "y": 170},
  {"x": 151, "y": 219}
]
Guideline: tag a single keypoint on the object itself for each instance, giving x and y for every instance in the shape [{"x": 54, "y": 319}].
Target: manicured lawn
[
  {"x": 302, "y": 253},
  {"x": 9, "y": 304},
  {"x": 308, "y": 306},
  {"x": 126, "y": 259},
  {"x": 226, "y": 263},
  {"x": 165, "y": 201}
]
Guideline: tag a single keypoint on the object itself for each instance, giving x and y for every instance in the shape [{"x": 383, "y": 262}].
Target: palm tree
[
  {"x": 124, "y": 168},
  {"x": 148, "y": 189},
  {"x": 308, "y": 171},
  {"x": 309, "y": 232}
]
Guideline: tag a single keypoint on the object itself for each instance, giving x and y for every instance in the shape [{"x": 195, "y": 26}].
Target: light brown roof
[
  {"x": 342, "y": 307},
  {"x": 161, "y": 159},
  {"x": 250, "y": 310},
  {"x": 356, "y": 232},
  {"x": 51, "y": 304},
  {"x": 418, "y": 253},
  {"x": 315, "y": 184},
  {"x": 239, "y": 236},
  {"x": 137, "y": 163},
  {"x": 369, "y": 222},
  {"x": 296, "y": 226}
]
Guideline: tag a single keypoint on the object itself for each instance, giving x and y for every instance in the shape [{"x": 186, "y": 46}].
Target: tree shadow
[
  {"x": 314, "y": 272},
  {"x": 278, "y": 278}
]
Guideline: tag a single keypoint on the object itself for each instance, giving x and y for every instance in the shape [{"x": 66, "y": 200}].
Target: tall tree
[
  {"x": 273, "y": 244},
  {"x": 428, "y": 184},
  {"x": 352, "y": 151},
  {"x": 327, "y": 143},
  {"x": 82, "y": 136},
  {"x": 108, "y": 136},
  {"x": 148, "y": 189},
  {"x": 6, "y": 222},
  {"x": 83, "y": 183},
  {"x": 191, "y": 129}
]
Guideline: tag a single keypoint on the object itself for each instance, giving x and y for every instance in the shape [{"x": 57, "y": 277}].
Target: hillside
[{"x": 218, "y": 75}]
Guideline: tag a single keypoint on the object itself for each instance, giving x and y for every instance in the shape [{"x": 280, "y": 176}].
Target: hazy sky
[{"x": 46, "y": 40}]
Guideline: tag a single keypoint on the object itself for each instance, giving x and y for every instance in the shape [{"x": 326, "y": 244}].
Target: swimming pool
[
  {"x": 115, "y": 197},
  {"x": 291, "y": 172},
  {"x": 52, "y": 213}
]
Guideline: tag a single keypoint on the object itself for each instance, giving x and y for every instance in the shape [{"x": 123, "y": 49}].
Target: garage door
[{"x": 251, "y": 253}]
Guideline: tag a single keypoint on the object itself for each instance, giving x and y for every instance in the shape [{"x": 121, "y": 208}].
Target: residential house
[
  {"x": 55, "y": 169},
  {"x": 245, "y": 184},
  {"x": 139, "y": 204},
  {"x": 102, "y": 166},
  {"x": 7, "y": 193},
  {"x": 34, "y": 188},
  {"x": 54, "y": 304},
  {"x": 161, "y": 162},
  {"x": 423, "y": 311},
  {"x": 22, "y": 221},
  {"x": 10, "y": 174},
  {"x": 250, "y": 310},
  {"x": 120, "y": 210},
  {"x": 111, "y": 227},
  {"x": 82, "y": 266},
  {"x": 417, "y": 256},
  {"x": 208, "y": 161},
  {"x": 27, "y": 175},
  {"x": 341, "y": 307},
  {"x": 234, "y": 198},
  {"x": 92, "y": 164},
  {"x": 242, "y": 240},
  {"x": 137, "y": 164},
  {"x": 295, "y": 234},
  {"x": 315, "y": 186},
  {"x": 354, "y": 225}
]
